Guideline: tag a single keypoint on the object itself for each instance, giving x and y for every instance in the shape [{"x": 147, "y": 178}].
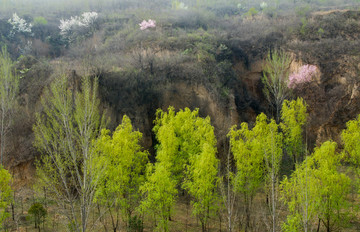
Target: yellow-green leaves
[
  {"x": 5, "y": 193},
  {"x": 124, "y": 162},
  {"x": 64, "y": 134},
  {"x": 351, "y": 139},
  {"x": 293, "y": 115},
  {"x": 317, "y": 191},
  {"x": 187, "y": 151},
  {"x": 9, "y": 88}
]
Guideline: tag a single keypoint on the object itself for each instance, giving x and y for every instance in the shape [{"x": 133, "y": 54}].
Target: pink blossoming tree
[
  {"x": 147, "y": 24},
  {"x": 304, "y": 75}
]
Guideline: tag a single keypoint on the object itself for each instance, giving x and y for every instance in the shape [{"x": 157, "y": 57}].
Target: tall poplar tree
[
  {"x": 271, "y": 144},
  {"x": 125, "y": 163},
  {"x": 275, "y": 78},
  {"x": 293, "y": 116},
  {"x": 64, "y": 134},
  {"x": 249, "y": 159},
  {"x": 9, "y": 88}
]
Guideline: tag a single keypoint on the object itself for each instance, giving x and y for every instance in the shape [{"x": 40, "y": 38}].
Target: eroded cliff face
[{"x": 332, "y": 99}]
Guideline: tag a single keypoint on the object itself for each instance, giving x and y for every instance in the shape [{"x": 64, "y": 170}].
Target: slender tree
[
  {"x": 201, "y": 183},
  {"x": 9, "y": 88},
  {"x": 275, "y": 78},
  {"x": 270, "y": 142},
  {"x": 125, "y": 164},
  {"x": 293, "y": 115},
  {"x": 317, "y": 192},
  {"x": 227, "y": 185},
  {"x": 249, "y": 160},
  {"x": 300, "y": 194},
  {"x": 64, "y": 134}
]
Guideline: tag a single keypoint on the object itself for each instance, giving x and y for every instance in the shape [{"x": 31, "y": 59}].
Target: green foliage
[
  {"x": 251, "y": 13},
  {"x": 271, "y": 144},
  {"x": 249, "y": 159},
  {"x": 351, "y": 138},
  {"x": 124, "y": 162},
  {"x": 181, "y": 137},
  {"x": 187, "y": 148},
  {"x": 39, "y": 21},
  {"x": 201, "y": 182},
  {"x": 316, "y": 191},
  {"x": 39, "y": 213},
  {"x": 302, "y": 11},
  {"x": 5, "y": 194},
  {"x": 275, "y": 78},
  {"x": 64, "y": 134},
  {"x": 321, "y": 32},
  {"x": 159, "y": 192},
  {"x": 9, "y": 88},
  {"x": 303, "y": 28},
  {"x": 258, "y": 154},
  {"x": 293, "y": 115},
  {"x": 135, "y": 224},
  {"x": 300, "y": 193}
]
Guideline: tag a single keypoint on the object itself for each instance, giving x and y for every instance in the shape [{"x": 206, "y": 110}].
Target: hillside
[{"x": 208, "y": 55}]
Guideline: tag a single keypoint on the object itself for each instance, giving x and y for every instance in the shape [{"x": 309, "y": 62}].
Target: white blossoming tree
[
  {"x": 19, "y": 25},
  {"x": 77, "y": 26}
]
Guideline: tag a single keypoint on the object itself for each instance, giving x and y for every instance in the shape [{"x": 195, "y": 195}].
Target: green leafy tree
[
  {"x": 201, "y": 183},
  {"x": 316, "y": 191},
  {"x": 275, "y": 78},
  {"x": 159, "y": 191},
  {"x": 351, "y": 138},
  {"x": 39, "y": 213},
  {"x": 183, "y": 137},
  {"x": 293, "y": 115},
  {"x": 9, "y": 88},
  {"x": 249, "y": 160},
  {"x": 333, "y": 209},
  {"x": 300, "y": 194},
  {"x": 5, "y": 194},
  {"x": 64, "y": 134},
  {"x": 125, "y": 164},
  {"x": 270, "y": 141}
]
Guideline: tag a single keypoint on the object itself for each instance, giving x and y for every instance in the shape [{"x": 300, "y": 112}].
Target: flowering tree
[
  {"x": 304, "y": 75},
  {"x": 19, "y": 25},
  {"x": 147, "y": 24},
  {"x": 68, "y": 27}
]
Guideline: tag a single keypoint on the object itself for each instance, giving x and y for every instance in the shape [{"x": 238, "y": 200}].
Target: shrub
[
  {"x": 39, "y": 21},
  {"x": 135, "y": 224},
  {"x": 251, "y": 13},
  {"x": 39, "y": 213}
]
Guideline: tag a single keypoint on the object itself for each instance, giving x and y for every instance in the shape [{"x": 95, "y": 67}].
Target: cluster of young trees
[{"x": 84, "y": 165}]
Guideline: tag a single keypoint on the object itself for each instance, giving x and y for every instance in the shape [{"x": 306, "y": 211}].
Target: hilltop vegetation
[{"x": 179, "y": 115}]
